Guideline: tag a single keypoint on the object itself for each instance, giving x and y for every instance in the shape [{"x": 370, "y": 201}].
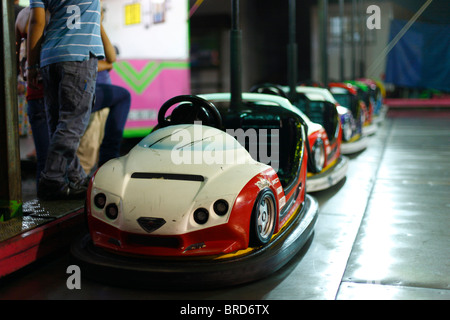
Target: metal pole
[
  {"x": 396, "y": 39},
  {"x": 292, "y": 53},
  {"x": 235, "y": 58},
  {"x": 341, "y": 45},
  {"x": 362, "y": 44},
  {"x": 324, "y": 37},
  {"x": 10, "y": 177},
  {"x": 352, "y": 30}
]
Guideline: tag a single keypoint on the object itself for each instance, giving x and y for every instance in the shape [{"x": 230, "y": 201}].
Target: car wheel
[{"x": 263, "y": 218}]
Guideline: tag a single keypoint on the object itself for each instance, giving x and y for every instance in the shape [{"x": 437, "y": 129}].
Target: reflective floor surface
[{"x": 382, "y": 232}]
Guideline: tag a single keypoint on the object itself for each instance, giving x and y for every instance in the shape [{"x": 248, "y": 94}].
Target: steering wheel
[
  {"x": 269, "y": 88},
  {"x": 190, "y": 109}
]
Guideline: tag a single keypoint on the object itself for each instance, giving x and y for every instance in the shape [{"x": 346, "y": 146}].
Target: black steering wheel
[
  {"x": 189, "y": 109},
  {"x": 269, "y": 88}
]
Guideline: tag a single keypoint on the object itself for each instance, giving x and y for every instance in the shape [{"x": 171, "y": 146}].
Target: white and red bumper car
[{"x": 191, "y": 199}]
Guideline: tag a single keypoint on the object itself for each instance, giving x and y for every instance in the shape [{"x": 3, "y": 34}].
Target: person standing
[
  {"x": 34, "y": 96},
  {"x": 66, "y": 55},
  {"x": 116, "y": 98}
]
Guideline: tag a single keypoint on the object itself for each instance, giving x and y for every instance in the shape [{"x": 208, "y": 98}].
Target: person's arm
[
  {"x": 35, "y": 34},
  {"x": 20, "y": 85},
  {"x": 18, "y": 42},
  {"x": 110, "y": 52},
  {"x": 21, "y": 29}
]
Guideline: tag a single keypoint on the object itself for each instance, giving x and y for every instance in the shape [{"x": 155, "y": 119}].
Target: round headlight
[
  {"x": 319, "y": 155},
  {"x": 100, "y": 200},
  {"x": 201, "y": 215},
  {"x": 221, "y": 207},
  {"x": 112, "y": 211}
]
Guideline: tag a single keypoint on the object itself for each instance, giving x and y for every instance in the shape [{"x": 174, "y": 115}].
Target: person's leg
[
  {"x": 40, "y": 131},
  {"x": 118, "y": 100},
  {"x": 69, "y": 95}
]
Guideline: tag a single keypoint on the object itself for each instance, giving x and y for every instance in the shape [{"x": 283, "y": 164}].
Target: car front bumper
[
  {"x": 329, "y": 177},
  {"x": 355, "y": 146}
]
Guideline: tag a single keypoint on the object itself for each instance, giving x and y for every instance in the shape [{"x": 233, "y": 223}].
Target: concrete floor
[{"x": 382, "y": 233}]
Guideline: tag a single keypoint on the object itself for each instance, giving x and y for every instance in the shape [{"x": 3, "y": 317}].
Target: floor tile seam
[
  {"x": 392, "y": 283},
  {"x": 334, "y": 213},
  {"x": 414, "y": 181}
]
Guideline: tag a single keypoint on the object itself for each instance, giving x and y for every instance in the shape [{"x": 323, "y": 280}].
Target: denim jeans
[
  {"x": 118, "y": 100},
  {"x": 41, "y": 135},
  {"x": 69, "y": 89}
]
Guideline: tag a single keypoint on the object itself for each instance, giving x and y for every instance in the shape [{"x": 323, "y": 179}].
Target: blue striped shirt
[{"x": 73, "y": 32}]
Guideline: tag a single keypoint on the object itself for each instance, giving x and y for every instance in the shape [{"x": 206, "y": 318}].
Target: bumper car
[
  {"x": 346, "y": 96},
  {"x": 376, "y": 93},
  {"x": 352, "y": 139},
  {"x": 381, "y": 100},
  {"x": 327, "y": 166},
  {"x": 191, "y": 206},
  {"x": 366, "y": 102}
]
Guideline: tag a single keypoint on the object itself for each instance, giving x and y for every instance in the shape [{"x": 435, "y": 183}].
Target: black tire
[{"x": 263, "y": 218}]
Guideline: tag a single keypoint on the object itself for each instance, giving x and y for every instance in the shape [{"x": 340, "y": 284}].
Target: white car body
[{"x": 151, "y": 197}]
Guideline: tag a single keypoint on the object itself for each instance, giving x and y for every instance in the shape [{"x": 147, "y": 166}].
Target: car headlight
[
  {"x": 112, "y": 211},
  {"x": 220, "y": 207},
  {"x": 201, "y": 215},
  {"x": 318, "y": 151},
  {"x": 100, "y": 200}
]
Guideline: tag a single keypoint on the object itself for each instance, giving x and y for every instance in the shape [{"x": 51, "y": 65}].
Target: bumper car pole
[
  {"x": 293, "y": 73},
  {"x": 292, "y": 54},
  {"x": 235, "y": 58}
]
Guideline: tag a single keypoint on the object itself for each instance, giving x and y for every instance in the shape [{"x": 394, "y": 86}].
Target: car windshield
[
  {"x": 278, "y": 134},
  {"x": 343, "y": 99},
  {"x": 224, "y": 106},
  {"x": 193, "y": 137}
]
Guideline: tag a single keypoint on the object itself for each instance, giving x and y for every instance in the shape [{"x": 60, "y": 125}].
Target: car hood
[{"x": 170, "y": 179}]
